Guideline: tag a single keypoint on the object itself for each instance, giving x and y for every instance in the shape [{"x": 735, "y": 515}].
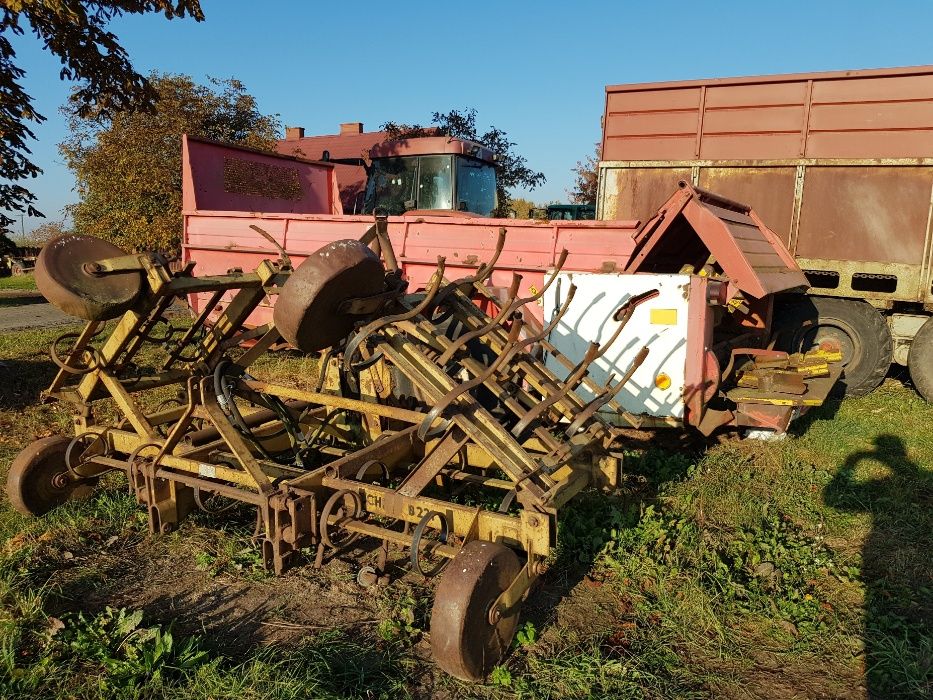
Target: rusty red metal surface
[
  {"x": 749, "y": 253},
  {"x": 218, "y": 177},
  {"x": 883, "y": 113},
  {"x": 350, "y": 143}
]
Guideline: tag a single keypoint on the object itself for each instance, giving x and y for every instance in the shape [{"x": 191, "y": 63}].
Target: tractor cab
[{"x": 431, "y": 173}]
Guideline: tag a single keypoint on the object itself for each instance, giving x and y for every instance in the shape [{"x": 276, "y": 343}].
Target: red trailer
[{"x": 840, "y": 165}]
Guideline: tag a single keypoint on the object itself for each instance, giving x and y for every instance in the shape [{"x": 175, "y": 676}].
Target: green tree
[
  {"x": 128, "y": 167},
  {"x": 511, "y": 168},
  {"x": 45, "y": 232},
  {"x": 522, "y": 207},
  {"x": 586, "y": 185},
  {"x": 76, "y": 32}
]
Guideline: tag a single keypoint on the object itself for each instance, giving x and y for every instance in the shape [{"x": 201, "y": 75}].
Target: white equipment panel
[{"x": 659, "y": 323}]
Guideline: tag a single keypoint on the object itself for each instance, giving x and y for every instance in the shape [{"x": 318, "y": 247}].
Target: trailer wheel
[
  {"x": 920, "y": 360},
  {"x": 855, "y": 326},
  {"x": 463, "y": 640}
]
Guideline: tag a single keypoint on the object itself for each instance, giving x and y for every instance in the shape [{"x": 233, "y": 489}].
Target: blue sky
[{"x": 535, "y": 69}]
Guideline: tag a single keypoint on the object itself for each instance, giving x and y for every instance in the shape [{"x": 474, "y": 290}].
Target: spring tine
[
  {"x": 606, "y": 396},
  {"x": 424, "y": 430},
  {"x": 624, "y": 314},
  {"x": 575, "y": 376},
  {"x": 482, "y": 272},
  {"x": 504, "y": 312},
  {"x": 433, "y": 286},
  {"x": 488, "y": 267},
  {"x": 547, "y": 283}
]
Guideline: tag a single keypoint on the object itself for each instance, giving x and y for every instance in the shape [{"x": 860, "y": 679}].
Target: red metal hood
[{"x": 696, "y": 228}]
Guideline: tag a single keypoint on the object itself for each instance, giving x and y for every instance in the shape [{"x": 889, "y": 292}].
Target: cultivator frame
[{"x": 428, "y": 408}]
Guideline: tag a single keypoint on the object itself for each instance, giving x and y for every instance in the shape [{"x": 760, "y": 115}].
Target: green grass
[
  {"x": 18, "y": 282},
  {"x": 801, "y": 568}
]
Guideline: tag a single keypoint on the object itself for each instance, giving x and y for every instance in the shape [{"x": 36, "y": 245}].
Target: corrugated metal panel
[{"x": 857, "y": 114}]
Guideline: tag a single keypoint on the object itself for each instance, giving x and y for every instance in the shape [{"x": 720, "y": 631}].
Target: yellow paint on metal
[{"x": 664, "y": 317}]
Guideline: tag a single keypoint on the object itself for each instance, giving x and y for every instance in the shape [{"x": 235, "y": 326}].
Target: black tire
[
  {"x": 920, "y": 360},
  {"x": 862, "y": 332}
]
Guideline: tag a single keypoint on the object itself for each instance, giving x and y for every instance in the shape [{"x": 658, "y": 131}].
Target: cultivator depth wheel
[
  {"x": 39, "y": 481},
  {"x": 66, "y": 276},
  {"x": 308, "y": 311},
  {"x": 465, "y": 642}
]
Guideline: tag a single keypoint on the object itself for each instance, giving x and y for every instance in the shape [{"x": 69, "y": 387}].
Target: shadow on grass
[
  {"x": 22, "y": 382},
  {"x": 897, "y": 569}
]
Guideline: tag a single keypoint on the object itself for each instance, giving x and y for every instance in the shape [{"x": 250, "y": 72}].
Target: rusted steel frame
[
  {"x": 513, "y": 348},
  {"x": 135, "y": 385},
  {"x": 485, "y": 430},
  {"x": 183, "y": 422},
  {"x": 253, "y": 419},
  {"x": 565, "y": 455},
  {"x": 434, "y": 461},
  {"x": 505, "y": 310},
  {"x": 155, "y": 315},
  {"x": 606, "y": 396},
  {"x": 485, "y": 375},
  {"x": 122, "y": 335},
  {"x": 491, "y": 526},
  {"x": 197, "y": 325},
  {"x": 537, "y": 375},
  {"x": 246, "y": 336},
  {"x": 81, "y": 343},
  {"x": 354, "y": 343},
  {"x": 126, "y": 404},
  {"x": 230, "y": 321},
  {"x": 478, "y": 479},
  {"x": 270, "y": 338},
  {"x": 232, "y": 437},
  {"x": 401, "y": 414},
  {"x": 125, "y": 442},
  {"x": 388, "y": 450},
  {"x": 566, "y": 387},
  {"x": 432, "y": 547},
  {"x": 518, "y": 404},
  {"x": 451, "y": 396},
  {"x": 509, "y": 307}
]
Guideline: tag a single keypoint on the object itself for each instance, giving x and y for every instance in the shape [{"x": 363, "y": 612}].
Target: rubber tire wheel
[
  {"x": 868, "y": 333},
  {"x": 920, "y": 360},
  {"x": 29, "y": 484},
  {"x": 463, "y": 642}
]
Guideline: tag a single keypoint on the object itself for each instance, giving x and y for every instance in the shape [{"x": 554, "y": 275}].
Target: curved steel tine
[
  {"x": 504, "y": 311},
  {"x": 487, "y": 268},
  {"x": 624, "y": 314},
  {"x": 482, "y": 272},
  {"x": 424, "y": 430},
  {"x": 606, "y": 396},
  {"x": 575, "y": 376},
  {"x": 433, "y": 286},
  {"x": 547, "y": 283},
  {"x": 512, "y": 349}
]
